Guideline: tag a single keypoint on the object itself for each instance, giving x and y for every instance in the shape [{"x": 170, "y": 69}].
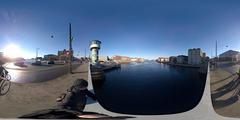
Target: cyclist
[{"x": 2, "y": 69}]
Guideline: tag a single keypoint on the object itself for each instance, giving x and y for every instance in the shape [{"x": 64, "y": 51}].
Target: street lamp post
[
  {"x": 216, "y": 55},
  {"x": 85, "y": 53},
  {"x": 70, "y": 49}
]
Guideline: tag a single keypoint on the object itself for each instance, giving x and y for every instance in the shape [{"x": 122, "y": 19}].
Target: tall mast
[
  {"x": 70, "y": 49},
  {"x": 216, "y": 50},
  {"x": 85, "y": 52}
]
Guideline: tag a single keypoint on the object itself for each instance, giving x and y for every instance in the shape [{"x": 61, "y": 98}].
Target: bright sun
[{"x": 12, "y": 51}]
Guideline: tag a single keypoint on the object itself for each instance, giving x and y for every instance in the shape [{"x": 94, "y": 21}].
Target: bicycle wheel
[
  {"x": 8, "y": 77},
  {"x": 5, "y": 86}
]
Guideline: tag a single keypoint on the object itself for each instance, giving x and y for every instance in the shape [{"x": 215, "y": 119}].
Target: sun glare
[{"x": 12, "y": 51}]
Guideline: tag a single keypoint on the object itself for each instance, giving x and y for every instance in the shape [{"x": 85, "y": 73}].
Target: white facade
[
  {"x": 229, "y": 55},
  {"x": 94, "y": 47},
  {"x": 103, "y": 58},
  {"x": 163, "y": 59},
  {"x": 195, "y": 56},
  {"x": 238, "y": 57}
]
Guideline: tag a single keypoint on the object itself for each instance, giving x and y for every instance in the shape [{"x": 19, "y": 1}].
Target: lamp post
[{"x": 70, "y": 49}]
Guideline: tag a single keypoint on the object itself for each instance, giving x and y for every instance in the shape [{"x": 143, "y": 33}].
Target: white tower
[{"x": 94, "y": 47}]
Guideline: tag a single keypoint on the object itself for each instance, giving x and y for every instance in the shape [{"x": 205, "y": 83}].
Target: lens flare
[{"x": 12, "y": 51}]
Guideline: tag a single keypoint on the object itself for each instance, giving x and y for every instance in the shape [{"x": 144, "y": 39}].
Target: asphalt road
[{"x": 34, "y": 76}]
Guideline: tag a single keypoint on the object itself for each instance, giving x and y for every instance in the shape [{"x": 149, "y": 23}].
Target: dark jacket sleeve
[{"x": 91, "y": 95}]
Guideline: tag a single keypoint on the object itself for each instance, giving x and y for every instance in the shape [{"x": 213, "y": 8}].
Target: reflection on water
[{"x": 150, "y": 88}]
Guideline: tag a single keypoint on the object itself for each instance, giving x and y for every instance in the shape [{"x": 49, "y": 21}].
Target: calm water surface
[{"x": 150, "y": 88}]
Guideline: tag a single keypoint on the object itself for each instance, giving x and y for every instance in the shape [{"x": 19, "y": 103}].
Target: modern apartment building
[
  {"x": 173, "y": 59},
  {"x": 182, "y": 59},
  {"x": 195, "y": 56}
]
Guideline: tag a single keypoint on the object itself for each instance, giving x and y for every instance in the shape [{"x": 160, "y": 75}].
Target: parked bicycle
[{"x": 5, "y": 82}]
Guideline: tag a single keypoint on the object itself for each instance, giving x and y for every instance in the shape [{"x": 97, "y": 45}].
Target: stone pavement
[
  {"x": 224, "y": 91},
  {"x": 24, "y": 98}
]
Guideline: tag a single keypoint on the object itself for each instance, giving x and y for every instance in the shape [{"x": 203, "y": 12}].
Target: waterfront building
[
  {"x": 229, "y": 55},
  {"x": 94, "y": 47},
  {"x": 103, "y": 58},
  {"x": 195, "y": 56},
  {"x": 120, "y": 59},
  {"x": 126, "y": 59},
  {"x": 173, "y": 59},
  {"x": 134, "y": 59},
  {"x": 204, "y": 55},
  {"x": 39, "y": 58},
  {"x": 182, "y": 59},
  {"x": 163, "y": 59},
  {"x": 63, "y": 55},
  {"x": 50, "y": 57},
  {"x": 238, "y": 57},
  {"x": 141, "y": 59}
]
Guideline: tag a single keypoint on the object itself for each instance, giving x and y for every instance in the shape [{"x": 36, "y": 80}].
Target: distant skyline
[{"x": 136, "y": 28}]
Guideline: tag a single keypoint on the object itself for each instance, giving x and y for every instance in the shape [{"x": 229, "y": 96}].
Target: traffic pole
[{"x": 70, "y": 49}]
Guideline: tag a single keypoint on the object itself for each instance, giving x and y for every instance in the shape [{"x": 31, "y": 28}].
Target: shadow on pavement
[
  {"x": 213, "y": 83},
  {"x": 223, "y": 103},
  {"x": 69, "y": 114},
  {"x": 229, "y": 87},
  {"x": 226, "y": 88}
]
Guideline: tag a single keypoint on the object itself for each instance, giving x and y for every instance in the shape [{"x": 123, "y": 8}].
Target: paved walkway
[
  {"x": 224, "y": 91},
  {"x": 28, "y": 97}
]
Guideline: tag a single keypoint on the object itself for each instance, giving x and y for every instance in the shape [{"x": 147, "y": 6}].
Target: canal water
[{"x": 150, "y": 88}]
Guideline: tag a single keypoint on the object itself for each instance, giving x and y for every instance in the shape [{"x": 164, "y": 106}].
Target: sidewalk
[
  {"x": 223, "y": 92},
  {"x": 26, "y": 98}
]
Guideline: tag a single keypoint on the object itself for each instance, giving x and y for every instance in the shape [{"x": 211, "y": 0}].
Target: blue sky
[{"x": 137, "y": 28}]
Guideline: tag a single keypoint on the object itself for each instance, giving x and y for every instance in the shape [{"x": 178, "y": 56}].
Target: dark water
[{"x": 150, "y": 88}]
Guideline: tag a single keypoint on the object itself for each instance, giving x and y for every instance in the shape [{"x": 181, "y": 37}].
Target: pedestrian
[{"x": 76, "y": 97}]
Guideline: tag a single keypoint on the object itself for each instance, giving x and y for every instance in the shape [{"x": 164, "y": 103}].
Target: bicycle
[{"x": 5, "y": 82}]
